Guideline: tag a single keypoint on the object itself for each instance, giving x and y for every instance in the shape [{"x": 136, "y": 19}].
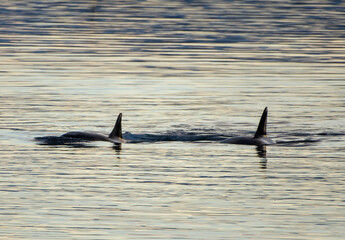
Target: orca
[
  {"x": 115, "y": 136},
  {"x": 260, "y": 137}
]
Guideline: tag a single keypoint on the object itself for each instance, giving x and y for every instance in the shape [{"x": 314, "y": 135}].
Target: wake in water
[
  {"x": 128, "y": 137},
  {"x": 180, "y": 136},
  {"x": 206, "y": 135}
]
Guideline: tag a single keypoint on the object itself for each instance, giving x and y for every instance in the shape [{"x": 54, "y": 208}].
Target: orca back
[{"x": 260, "y": 138}]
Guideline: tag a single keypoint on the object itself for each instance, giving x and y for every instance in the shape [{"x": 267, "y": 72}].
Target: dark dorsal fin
[
  {"x": 117, "y": 131},
  {"x": 261, "y": 131}
]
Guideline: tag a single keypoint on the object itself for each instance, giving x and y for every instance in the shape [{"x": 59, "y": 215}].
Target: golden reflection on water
[
  {"x": 174, "y": 40},
  {"x": 176, "y": 70}
]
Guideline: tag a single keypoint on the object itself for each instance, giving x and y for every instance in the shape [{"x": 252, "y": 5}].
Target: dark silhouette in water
[
  {"x": 260, "y": 137},
  {"x": 72, "y": 137},
  {"x": 115, "y": 136}
]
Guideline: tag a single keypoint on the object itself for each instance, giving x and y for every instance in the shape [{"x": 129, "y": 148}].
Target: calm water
[{"x": 185, "y": 75}]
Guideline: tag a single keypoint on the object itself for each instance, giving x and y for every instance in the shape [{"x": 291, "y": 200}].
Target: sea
[{"x": 186, "y": 75}]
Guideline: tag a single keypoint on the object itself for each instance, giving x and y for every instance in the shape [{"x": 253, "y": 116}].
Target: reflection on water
[
  {"x": 187, "y": 75},
  {"x": 261, "y": 150}
]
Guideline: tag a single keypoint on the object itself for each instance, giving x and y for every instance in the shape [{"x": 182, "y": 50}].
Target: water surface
[{"x": 185, "y": 75}]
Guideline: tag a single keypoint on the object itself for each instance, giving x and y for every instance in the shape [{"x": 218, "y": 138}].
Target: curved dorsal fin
[
  {"x": 117, "y": 131},
  {"x": 261, "y": 131}
]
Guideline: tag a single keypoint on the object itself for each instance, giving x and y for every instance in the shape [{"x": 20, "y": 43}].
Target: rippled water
[{"x": 185, "y": 75}]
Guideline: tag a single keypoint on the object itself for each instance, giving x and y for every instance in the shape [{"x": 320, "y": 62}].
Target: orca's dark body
[
  {"x": 115, "y": 136},
  {"x": 260, "y": 138}
]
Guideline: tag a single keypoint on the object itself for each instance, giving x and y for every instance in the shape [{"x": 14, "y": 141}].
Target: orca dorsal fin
[
  {"x": 117, "y": 131},
  {"x": 261, "y": 131}
]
